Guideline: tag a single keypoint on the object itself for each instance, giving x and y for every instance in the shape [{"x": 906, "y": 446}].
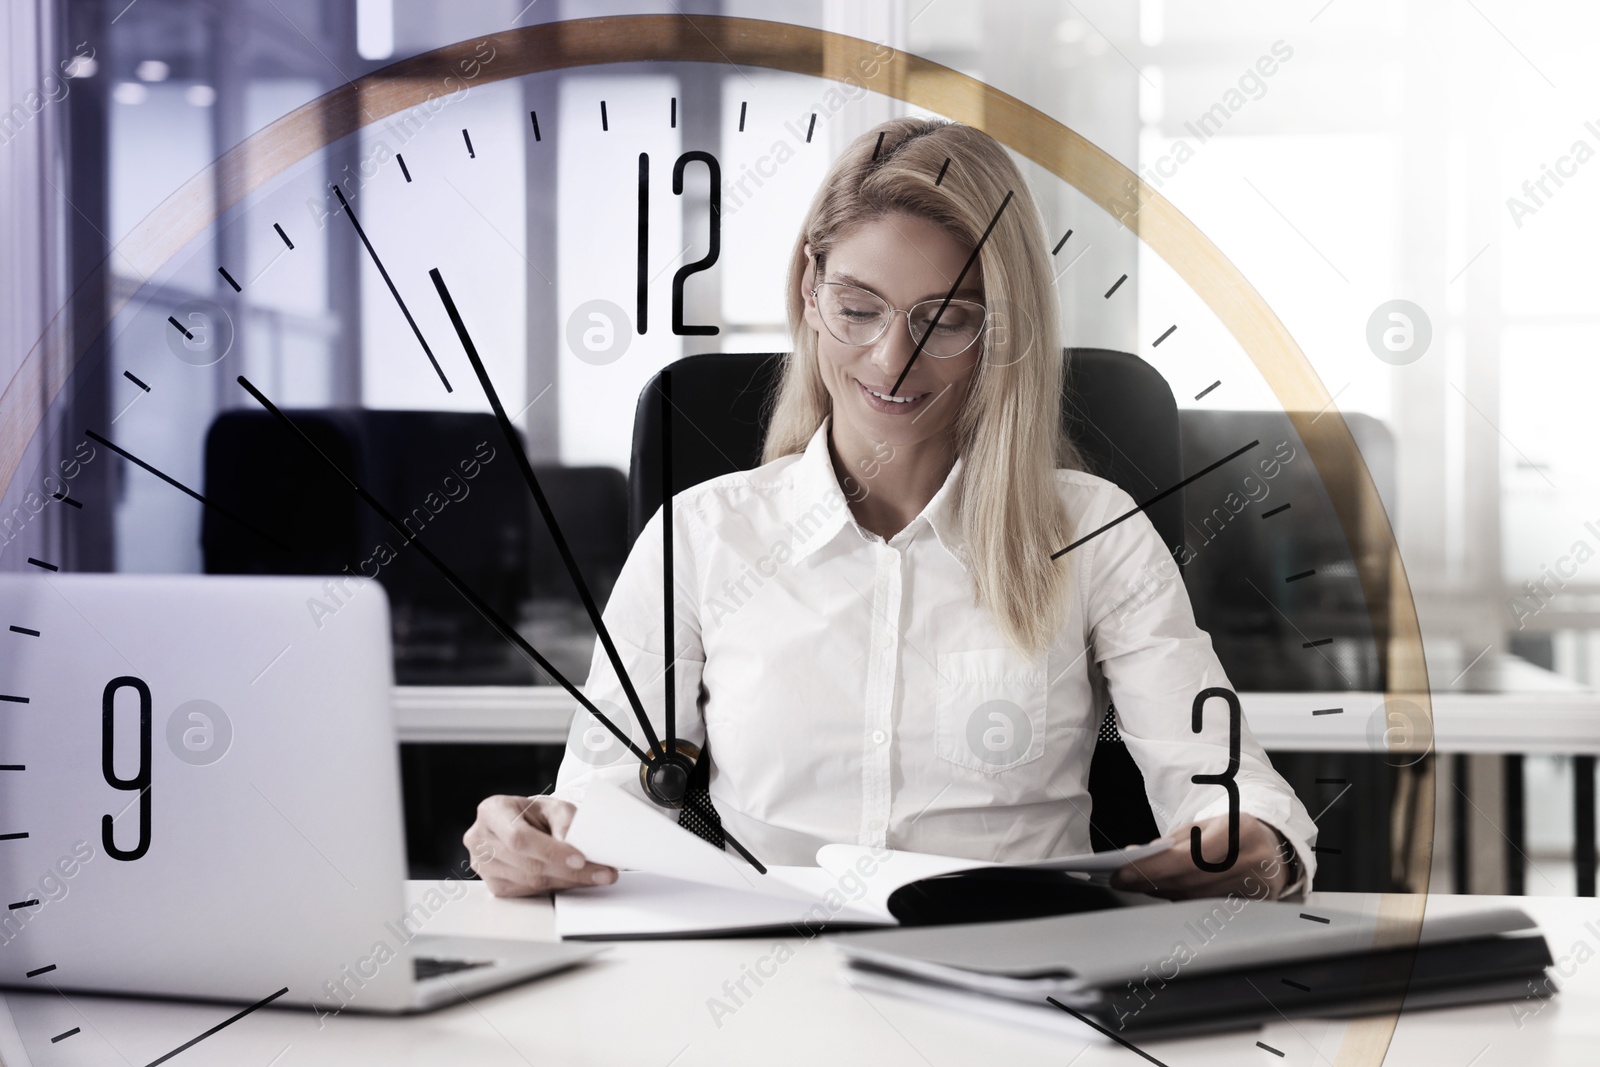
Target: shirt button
[{"x": 878, "y": 737}]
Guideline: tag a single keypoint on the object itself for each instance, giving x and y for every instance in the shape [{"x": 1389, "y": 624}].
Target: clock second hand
[{"x": 505, "y": 629}]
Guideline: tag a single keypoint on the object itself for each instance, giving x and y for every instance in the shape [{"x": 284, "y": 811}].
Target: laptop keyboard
[{"x": 428, "y": 967}]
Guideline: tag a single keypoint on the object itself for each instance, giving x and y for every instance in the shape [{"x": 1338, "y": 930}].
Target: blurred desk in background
[{"x": 1498, "y": 704}]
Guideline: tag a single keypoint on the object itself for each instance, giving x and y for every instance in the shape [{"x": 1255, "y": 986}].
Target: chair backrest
[
  {"x": 1117, "y": 408},
  {"x": 449, "y": 477}
]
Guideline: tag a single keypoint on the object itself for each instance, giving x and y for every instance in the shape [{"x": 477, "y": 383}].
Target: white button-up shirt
[{"x": 851, "y": 691}]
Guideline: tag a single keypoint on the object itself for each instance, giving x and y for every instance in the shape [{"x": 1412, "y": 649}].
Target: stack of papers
[
  {"x": 1203, "y": 965},
  {"x": 674, "y": 884}
]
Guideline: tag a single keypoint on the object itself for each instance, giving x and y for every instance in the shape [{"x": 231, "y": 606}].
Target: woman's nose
[{"x": 893, "y": 350}]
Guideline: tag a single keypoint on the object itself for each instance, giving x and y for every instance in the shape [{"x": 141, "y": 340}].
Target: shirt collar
[{"x": 820, "y": 509}]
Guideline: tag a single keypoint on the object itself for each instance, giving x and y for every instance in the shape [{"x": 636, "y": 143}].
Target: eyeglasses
[{"x": 857, "y": 317}]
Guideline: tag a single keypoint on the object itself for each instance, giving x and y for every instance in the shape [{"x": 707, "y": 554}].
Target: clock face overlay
[{"x": 433, "y": 130}]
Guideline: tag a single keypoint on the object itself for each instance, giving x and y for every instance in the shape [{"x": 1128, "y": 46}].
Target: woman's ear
[{"x": 808, "y": 282}]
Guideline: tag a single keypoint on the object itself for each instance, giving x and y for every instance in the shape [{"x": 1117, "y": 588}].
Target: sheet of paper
[
  {"x": 1100, "y": 862},
  {"x": 675, "y": 882},
  {"x": 641, "y": 904},
  {"x": 619, "y": 830}
]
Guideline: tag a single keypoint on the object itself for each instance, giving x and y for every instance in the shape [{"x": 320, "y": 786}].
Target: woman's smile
[{"x": 879, "y": 400}]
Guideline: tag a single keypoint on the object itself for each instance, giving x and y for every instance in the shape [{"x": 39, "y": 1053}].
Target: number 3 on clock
[{"x": 1225, "y": 779}]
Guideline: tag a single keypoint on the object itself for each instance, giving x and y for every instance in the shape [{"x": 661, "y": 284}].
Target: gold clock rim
[{"x": 809, "y": 51}]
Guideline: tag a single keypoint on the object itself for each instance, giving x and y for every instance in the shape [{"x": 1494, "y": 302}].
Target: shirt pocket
[{"x": 989, "y": 710}]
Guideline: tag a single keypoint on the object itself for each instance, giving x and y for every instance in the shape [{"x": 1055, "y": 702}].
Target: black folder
[{"x": 1164, "y": 970}]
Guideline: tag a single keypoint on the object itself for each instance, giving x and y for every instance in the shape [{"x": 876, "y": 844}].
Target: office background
[{"x": 1426, "y": 151}]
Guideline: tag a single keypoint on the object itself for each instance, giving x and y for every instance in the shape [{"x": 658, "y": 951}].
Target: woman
[{"x": 872, "y": 636}]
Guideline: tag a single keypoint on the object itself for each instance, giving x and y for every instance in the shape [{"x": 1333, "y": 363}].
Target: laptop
[{"x": 200, "y": 798}]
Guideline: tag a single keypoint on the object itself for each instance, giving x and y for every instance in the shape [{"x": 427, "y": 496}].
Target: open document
[{"x": 674, "y": 884}]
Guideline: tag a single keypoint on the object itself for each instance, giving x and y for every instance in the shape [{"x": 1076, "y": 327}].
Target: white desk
[{"x": 645, "y": 1005}]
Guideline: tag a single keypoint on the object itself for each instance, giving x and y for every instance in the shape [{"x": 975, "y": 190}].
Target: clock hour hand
[
  {"x": 667, "y": 780},
  {"x": 506, "y": 630},
  {"x": 666, "y": 772}
]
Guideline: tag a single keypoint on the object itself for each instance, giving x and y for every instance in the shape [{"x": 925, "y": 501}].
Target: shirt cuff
[{"x": 1297, "y": 884}]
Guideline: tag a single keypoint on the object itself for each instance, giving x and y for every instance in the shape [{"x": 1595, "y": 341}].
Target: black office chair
[
  {"x": 1117, "y": 408},
  {"x": 448, "y": 475}
]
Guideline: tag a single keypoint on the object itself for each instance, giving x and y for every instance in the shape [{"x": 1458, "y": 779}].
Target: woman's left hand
[{"x": 1262, "y": 861}]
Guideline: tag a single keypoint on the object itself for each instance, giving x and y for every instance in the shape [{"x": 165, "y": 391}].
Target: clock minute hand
[
  {"x": 506, "y": 630},
  {"x": 666, "y": 768},
  {"x": 571, "y": 562}
]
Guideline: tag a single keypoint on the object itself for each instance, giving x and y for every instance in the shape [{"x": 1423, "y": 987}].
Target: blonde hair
[{"x": 1009, "y": 430}]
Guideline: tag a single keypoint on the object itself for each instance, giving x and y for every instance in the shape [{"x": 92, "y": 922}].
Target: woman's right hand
[{"x": 517, "y": 848}]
